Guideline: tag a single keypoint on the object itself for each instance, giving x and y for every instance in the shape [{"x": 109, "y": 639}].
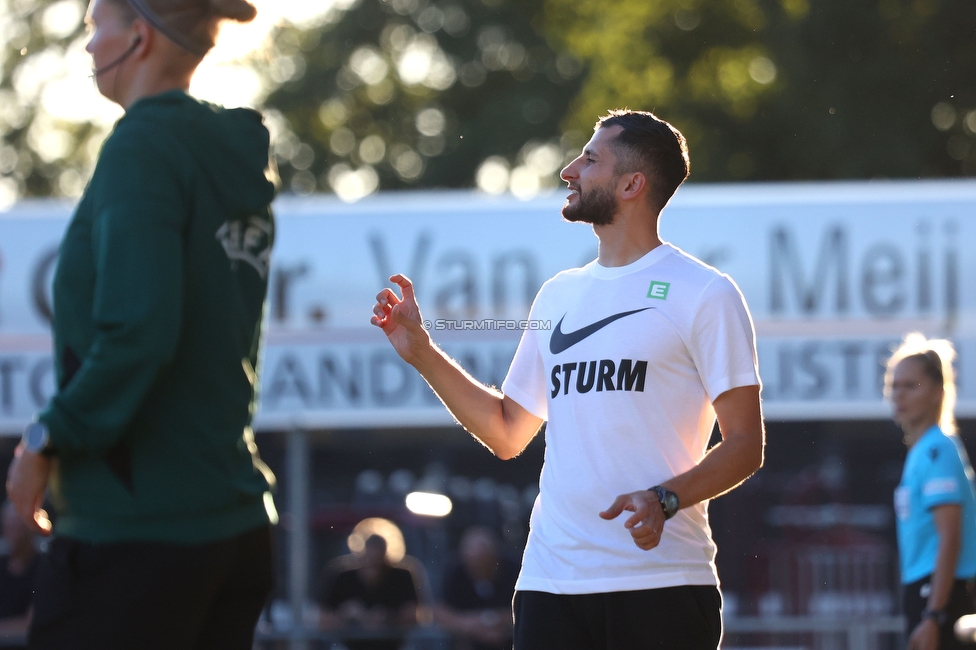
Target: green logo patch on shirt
[{"x": 658, "y": 290}]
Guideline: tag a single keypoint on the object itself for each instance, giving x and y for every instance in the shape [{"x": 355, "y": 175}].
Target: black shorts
[
  {"x": 960, "y": 604},
  {"x": 151, "y": 595},
  {"x": 687, "y": 617}
]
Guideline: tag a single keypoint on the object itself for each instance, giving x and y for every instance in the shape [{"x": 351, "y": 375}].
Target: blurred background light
[
  {"x": 396, "y": 548},
  {"x": 429, "y": 504}
]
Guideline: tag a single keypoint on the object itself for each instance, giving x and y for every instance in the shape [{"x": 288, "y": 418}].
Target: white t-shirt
[{"x": 626, "y": 377}]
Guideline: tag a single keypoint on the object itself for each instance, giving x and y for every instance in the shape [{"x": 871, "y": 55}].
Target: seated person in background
[
  {"x": 478, "y": 593},
  {"x": 374, "y": 597},
  {"x": 18, "y": 566}
]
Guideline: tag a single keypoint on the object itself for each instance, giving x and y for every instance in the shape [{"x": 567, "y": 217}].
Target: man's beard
[{"x": 596, "y": 207}]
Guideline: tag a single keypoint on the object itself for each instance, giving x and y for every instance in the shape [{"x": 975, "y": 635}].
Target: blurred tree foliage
[
  {"x": 42, "y": 151},
  {"x": 448, "y": 93},
  {"x": 405, "y": 93},
  {"x": 787, "y": 89}
]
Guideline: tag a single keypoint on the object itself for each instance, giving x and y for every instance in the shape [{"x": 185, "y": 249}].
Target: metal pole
[{"x": 297, "y": 455}]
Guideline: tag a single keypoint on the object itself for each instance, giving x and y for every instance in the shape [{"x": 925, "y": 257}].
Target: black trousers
[
  {"x": 150, "y": 595},
  {"x": 960, "y": 604},
  {"x": 688, "y": 617}
]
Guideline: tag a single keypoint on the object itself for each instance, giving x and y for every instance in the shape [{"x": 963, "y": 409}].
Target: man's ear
[{"x": 633, "y": 185}]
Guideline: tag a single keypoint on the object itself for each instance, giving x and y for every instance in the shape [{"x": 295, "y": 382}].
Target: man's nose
[{"x": 569, "y": 172}]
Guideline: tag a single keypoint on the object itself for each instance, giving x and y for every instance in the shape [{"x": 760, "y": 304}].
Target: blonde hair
[
  {"x": 936, "y": 357},
  {"x": 191, "y": 24}
]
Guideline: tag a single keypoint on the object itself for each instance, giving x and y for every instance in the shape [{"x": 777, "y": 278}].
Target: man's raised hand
[{"x": 400, "y": 319}]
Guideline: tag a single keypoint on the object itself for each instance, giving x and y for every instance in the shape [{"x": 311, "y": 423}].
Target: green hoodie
[{"x": 158, "y": 301}]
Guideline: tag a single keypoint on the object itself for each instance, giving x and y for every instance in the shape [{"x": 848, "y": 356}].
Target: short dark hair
[{"x": 651, "y": 146}]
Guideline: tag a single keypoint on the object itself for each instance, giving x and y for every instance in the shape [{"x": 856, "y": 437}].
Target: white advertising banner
[{"x": 834, "y": 275}]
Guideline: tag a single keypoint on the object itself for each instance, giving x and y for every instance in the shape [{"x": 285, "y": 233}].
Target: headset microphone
[{"x": 117, "y": 62}]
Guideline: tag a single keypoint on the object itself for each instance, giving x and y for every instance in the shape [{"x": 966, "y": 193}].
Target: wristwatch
[
  {"x": 940, "y": 616},
  {"x": 36, "y": 438},
  {"x": 668, "y": 499}
]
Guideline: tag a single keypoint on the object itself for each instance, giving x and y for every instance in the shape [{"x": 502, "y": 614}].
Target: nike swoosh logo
[{"x": 561, "y": 341}]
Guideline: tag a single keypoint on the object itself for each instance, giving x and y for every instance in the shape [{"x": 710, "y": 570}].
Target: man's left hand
[
  {"x": 26, "y": 482},
  {"x": 647, "y": 522}
]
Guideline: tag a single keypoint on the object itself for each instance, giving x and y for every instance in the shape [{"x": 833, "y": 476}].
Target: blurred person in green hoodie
[{"x": 162, "y": 537}]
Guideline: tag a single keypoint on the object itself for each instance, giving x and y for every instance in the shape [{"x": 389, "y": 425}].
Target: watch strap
[
  {"x": 37, "y": 439},
  {"x": 668, "y": 500},
  {"x": 940, "y": 616}
]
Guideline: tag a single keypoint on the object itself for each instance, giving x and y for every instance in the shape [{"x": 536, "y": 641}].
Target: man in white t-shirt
[{"x": 650, "y": 346}]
